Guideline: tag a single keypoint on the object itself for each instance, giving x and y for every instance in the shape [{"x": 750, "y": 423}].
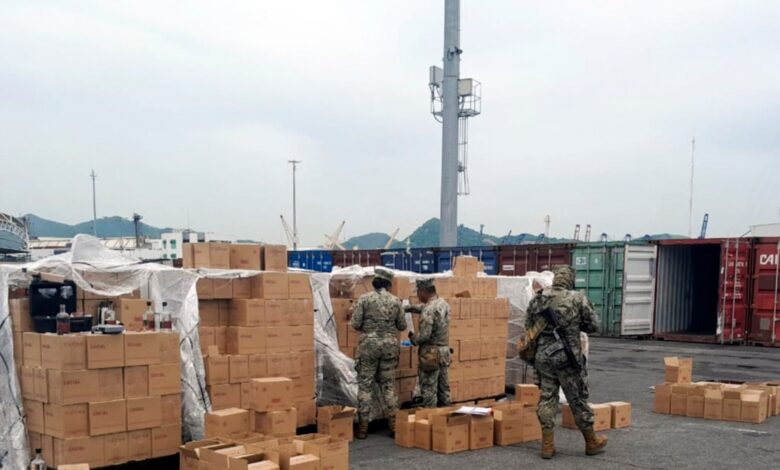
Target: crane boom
[
  {"x": 287, "y": 231},
  {"x": 392, "y": 238}
]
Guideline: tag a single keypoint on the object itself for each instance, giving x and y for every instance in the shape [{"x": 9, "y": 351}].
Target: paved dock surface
[{"x": 624, "y": 370}]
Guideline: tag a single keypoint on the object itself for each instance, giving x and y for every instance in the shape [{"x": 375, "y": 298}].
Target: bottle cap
[
  {"x": 148, "y": 304},
  {"x": 165, "y": 304},
  {"x": 37, "y": 450}
]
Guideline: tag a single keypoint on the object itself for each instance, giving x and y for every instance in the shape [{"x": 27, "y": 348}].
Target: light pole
[
  {"x": 93, "y": 175},
  {"x": 295, "y": 209}
]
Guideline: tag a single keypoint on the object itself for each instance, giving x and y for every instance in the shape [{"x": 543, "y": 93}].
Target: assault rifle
[{"x": 560, "y": 335}]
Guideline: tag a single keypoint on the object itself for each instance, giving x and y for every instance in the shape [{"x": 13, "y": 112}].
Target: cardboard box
[
  {"x": 283, "y": 365},
  {"x": 307, "y": 363},
  {"x": 306, "y": 411},
  {"x": 258, "y": 366},
  {"x": 266, "y": 460},
  {"x": 223, "y": 288},
  {"x": 115, "y": 448},
  {"x": 694, "y": 407},
  {"x": 508, "y": 424},
  {"x": 239, "y": 369},
  {"x": 31, "y": 349},
  {"x": 21, "y": 321},
  {"x": 171, "y": 408},
  {"x": 336, "y": 421},
  {"x": 713, "y": 403},
  {"x": 207, "y": 337},
  {"x": 130, "y": 312},
  {"x": 301, "y": 338},
  {"x": 333, "y": 453},
  {"x": 89, "y": 450},
  {"x": 219, "y": 255},
  {"x": 276, "y": 423},
  {"x": 422, "y": 434},
  {"x": 271, "y": 394},
  {"x": 246, "y": 340},
  {"x": 217, "y": 369},
  {"x": 242, "y": 288},
  {"x": 67, "y": 387},
  {"x": 225, "y": 422},
  {"x": 142, "y": 348},
  {"x": 205, "y": 288},
  {"x": 532, "y": 429},
  {"x": 679, "y": 401},
  {"x": 678, "y": 370},
  {"x": 245, "y": 256},
  {"x": 107, "y": 417},
  {"x": 66, "y": 421},
  {"x": 404, "y": 428},
  {"x": 277, "y": 313},
  {"x": 567, "y": 418},
  {"x": 662, "y": 398},
  {"x": 27, "y": 383},
  {"x": 278, "y": 339},
  {"x": 275, "y": 258},
  {"x": 41, "y": 384},
  {"x": 169, "y": 348},
  {"x": 166, "y": 440},
  {"x": 196, "y": 255},
  {"x": 621, "y": 414},
  {"x": 754, "y": 406},
  {"x": 481, "y": 429},
  {"x": 136, "y": 381},
  {"x": 270, "y": 285},
  {"x": 303, "y": 387},
  {"x": 64, "y": 352},
  {"x": 732, "y": 406},
  {"x": 527, "y": 394},
  {"x": 221, "y": 339},
  {"x": 225, "y": 396},
  {"x": 449, "y": 433},
  {"x": 143, "y": 413},
  {"x": 299, "y": 286},
  {"x": 35, "y": 416},
  {"x": 247, "y": 312},
  {"x": 164, "y": 379},
  {"x": 304, "y": 462},
  {"x": 139, "y": 444}
]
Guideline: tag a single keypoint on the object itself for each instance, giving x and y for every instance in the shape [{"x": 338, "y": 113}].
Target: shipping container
[
  {"x": 517, "y": 260},
  {"x": 765, "y": 307},
  {"x": 313, "y": 260},
  {"x": 619, "y": 280},
  {"x": 486, "y": 254},
  {"x": 418, "y": 260},
  {"x": 365, "y": 258},
  {"x": 702, "y": 290}
]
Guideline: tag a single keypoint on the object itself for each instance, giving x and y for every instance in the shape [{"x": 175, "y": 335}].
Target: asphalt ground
[{"x": 625, "y": 370}]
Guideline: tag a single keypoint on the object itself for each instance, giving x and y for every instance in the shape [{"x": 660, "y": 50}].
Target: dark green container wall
[{"x": 599, "y": 273}]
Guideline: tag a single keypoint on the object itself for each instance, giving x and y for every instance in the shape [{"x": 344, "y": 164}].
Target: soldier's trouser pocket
[
  {"x": 429, "y": 359},
  {"x": 554, "y": 356}
]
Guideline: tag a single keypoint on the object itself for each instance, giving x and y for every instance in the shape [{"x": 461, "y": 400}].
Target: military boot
[
  {"x": 362, "y": 431},
  {"x": 593, "y": 444},
  {"x": 548, "y": 444}
]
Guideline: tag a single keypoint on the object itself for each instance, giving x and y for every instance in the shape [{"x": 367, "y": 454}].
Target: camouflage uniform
[
  {"x": 379, "y": 317},
  {"x": 434, "y": 333},
  {"x": 574, "y": 312}
]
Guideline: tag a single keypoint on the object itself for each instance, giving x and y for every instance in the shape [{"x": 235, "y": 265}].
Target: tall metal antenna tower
[
  {"x": 93, "y": 175},
  {"x": 453, "y": 101},
  {"x": 547, "y": 226},
  {"x": 295, "y": 208},
  {"x": 690, "y": 200},
  {"x": 137, "y": 226}
]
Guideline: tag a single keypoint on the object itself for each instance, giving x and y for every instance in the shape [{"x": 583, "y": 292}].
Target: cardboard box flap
[
  {"x": 449, "y": 419},
  {"x": 336, "y": 412}
]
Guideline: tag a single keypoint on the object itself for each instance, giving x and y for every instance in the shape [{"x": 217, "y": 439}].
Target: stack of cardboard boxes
[
  {"x": 445, "y": 431},
  {"x": 612, "y": 415},
  {"x": 478, "y": 329},
  {"x": 102, "y": 399},
  {"x": 746, "y": 402},
  {"x": 263, "y": 435},
  {"x": 256, "y": 327},
  {"x": 247, "y": 256}
]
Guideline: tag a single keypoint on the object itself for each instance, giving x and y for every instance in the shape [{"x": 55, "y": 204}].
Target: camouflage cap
[
  {"x": 424, "y": 283},
  {"x": 563, "y": 277},
  {"x": 383, "y": 273}
]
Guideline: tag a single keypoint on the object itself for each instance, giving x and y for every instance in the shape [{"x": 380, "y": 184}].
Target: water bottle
[
  {"x": 149, "y": 317},
  {"x": 109, "y": 316},
  {"x": 166, "y": 323},
  {"x": 38, "y": 463},
  {"x": 63, "y": 321}
]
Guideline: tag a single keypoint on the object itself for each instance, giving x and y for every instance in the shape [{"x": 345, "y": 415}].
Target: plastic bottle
[
  {"x": 109, "y": 316},
  {"x": 166, "y": 322},
  {"x": 38, "y": 463},
  {"x": 63, "y": 321},
  {"x": 149, "y": 317}
]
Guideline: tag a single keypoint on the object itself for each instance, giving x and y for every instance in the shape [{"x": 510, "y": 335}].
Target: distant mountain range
[
  {"x": 106, "y": 227},
  {"x": 425, "y": 236}
]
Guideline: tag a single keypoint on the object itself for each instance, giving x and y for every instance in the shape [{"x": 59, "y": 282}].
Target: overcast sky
[{"x": 588, "y": 113}]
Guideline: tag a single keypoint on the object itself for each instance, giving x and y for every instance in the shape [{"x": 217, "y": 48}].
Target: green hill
[{"x": 106, "y": 227}]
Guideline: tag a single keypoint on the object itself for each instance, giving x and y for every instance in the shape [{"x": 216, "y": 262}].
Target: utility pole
[
  {"x": 295, "y": 209},
  {"x": 690, "y": 200},
  {"x": 448, "y": 235},
  {"x": 93, "y": 175}
]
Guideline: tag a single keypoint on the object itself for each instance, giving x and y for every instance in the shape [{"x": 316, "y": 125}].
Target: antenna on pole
[
  {"x": 93, "y": 175},
  {"x": 690, "y": 200},
  {"x": 547, "y": 226},
  {"x": 295, "y": 209}
]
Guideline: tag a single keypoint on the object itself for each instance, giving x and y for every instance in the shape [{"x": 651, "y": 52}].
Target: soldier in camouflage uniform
[
  {"x": 574, "y": 313},
  {"x": 379, "y": 316},
  {"x": 433, "y": 341}
]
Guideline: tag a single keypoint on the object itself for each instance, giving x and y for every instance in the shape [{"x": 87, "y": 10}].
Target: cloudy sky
[{"x": 588, "y": 113}]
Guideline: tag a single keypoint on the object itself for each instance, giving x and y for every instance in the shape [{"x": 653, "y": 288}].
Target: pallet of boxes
[
  {"x": 255, "y": 327},
  {"x": 453, "y": 429},
  {"x": 101, "y": 399},
  {"x": 741, "y": 402}
]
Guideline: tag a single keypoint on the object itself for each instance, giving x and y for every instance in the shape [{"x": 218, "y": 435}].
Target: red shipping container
[
  {"x": 517, "y": 260},
  {"x": 765, "y": 307}
]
